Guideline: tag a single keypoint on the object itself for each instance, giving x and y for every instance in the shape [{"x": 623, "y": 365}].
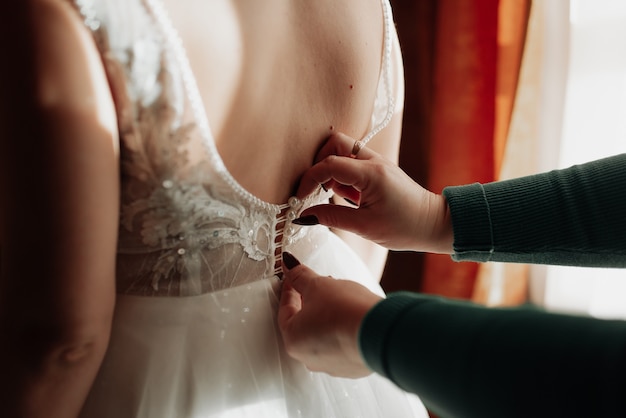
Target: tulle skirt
[{"x": 220, "y": 355}]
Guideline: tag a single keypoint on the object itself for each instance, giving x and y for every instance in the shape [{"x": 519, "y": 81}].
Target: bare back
[{"x": 276, "y": 77}]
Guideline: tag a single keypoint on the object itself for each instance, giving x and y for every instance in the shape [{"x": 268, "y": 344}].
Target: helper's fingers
[
  {"x": 343, "y": 145},
  {"x": 290, "y": 305},
  {"x": 299, "y": 278},
  {"x": 346, "y": 171},
  {"x": 348, "y": 193},
  {"x": 338, "y": 216}
]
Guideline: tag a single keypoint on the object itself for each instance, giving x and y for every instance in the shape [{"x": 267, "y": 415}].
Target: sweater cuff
[
  {"x": 376, "y": 327},
  {"x": 471, "y": 222}
]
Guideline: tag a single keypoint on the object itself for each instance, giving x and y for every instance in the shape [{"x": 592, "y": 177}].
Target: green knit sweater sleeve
[
  {"x": 464, "y": 360},
  {"x": 575, "y": 216}
]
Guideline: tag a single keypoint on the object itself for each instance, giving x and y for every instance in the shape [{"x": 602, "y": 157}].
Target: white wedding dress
[{"x": 194, "y": 332}]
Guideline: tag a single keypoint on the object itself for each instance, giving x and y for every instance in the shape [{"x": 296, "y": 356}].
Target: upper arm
[{"x": 59, "y": 178}]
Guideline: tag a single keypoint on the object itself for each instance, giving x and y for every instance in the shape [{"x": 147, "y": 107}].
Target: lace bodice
[{"x": 186, "y": 226}]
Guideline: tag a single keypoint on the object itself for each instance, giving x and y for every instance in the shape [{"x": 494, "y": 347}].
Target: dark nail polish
[
  {"x": 290, "y": 261},
  {"x": 306, "y": 220},
  {"x": 350, "y": 201}
]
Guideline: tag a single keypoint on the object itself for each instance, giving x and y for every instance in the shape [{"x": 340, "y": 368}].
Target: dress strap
[
  {"x": 383, "y": 112},
  {"x": 88, "y": 11}
]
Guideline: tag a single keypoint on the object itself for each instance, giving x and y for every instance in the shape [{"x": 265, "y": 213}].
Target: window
[{"x": 592, "y": 125}]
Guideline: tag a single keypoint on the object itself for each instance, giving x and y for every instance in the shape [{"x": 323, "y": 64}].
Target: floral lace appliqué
[
  {"x": 183, "y": 220},
  {"x": 180, "y": 234}
]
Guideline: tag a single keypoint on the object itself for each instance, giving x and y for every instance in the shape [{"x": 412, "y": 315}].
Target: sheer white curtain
[{"x": 575, "y": 66}]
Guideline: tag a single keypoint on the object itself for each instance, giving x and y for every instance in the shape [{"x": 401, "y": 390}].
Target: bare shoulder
[
  {"x": 53, "y": 63},
  {"x": 55, "y": 80},
  {"x": 67, "y": 65}
]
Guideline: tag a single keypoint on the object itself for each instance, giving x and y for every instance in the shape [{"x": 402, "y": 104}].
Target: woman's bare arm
[{"x": 60, "y": 184}]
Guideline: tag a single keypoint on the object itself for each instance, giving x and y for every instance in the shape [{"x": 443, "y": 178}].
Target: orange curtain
[
  {"x": 461, "y": 146},
  {"x": 462, "y": 61},
  {"x": 505, "y": 284}
]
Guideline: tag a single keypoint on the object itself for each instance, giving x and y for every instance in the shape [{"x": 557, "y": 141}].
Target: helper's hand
[
  {"x": 319, "y": 318},
  {"x": 393, "y": 210}
]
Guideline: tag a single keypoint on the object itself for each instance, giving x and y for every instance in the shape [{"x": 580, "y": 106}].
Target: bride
[{"x": 150, "y": 150}]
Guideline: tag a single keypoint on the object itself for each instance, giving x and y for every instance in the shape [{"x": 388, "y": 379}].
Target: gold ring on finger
[{"x": 356, "y": 148}]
